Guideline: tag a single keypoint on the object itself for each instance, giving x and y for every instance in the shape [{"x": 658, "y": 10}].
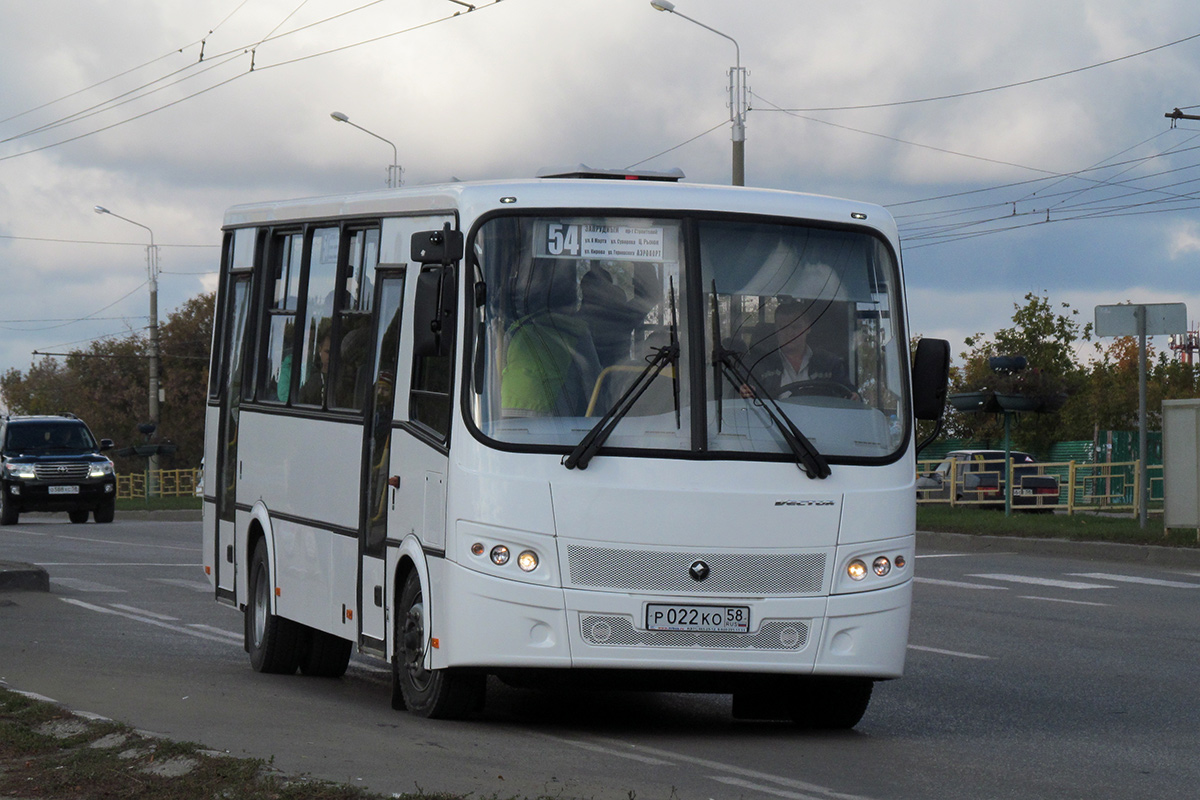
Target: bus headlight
[
  {"x": 527, "y": 561},
  {"x": 881, "y": 566},
  {"x": 500, "y": 555},
  {"x": 857, "y": 570}
]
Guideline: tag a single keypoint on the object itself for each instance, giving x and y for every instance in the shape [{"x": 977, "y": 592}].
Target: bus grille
[
  {"x": 67, "y": 471},
  {"x": 617, "y": 631},
  {"x": 730, "y": 573}
]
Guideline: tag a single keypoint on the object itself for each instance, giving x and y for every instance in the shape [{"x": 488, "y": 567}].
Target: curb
[
  {"x": 17, "y": 577},
  {"x": 1105, "y": 551}
]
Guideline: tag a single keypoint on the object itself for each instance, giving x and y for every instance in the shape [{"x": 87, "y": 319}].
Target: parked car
[
  {"x": 979, "y": 480},
  {"x": 53, "y": 463}
]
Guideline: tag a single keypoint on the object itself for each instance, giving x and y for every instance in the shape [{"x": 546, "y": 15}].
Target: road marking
[
  {"x": 614, "y": 752},
  {"x": 147, "y": 620},
  {"x": 953, "y": 653},
  {"x": 1040, "y": 581},
  {"x": 961, "y": 584},
  {"x": 112, "y": 564},
  {"x": 80, "y": 585},
  {"x": 235, "y": 637},
  {"x": 144, "y": 612},
  {"x": 1062, "y": 600},
  {"x": 1105, "y": 576},
  {"x": 959, "y": 555},
  {"x": 814, "y": 790},
  {"x": 128, "y": 544},
  {"x": 757, "y": 787},
  {"x": 197, "y": 586}
]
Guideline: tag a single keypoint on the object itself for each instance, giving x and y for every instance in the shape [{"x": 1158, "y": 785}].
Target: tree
[
  {"x": 106, "y": 385},
  {"x": 1047, "y": 339}
]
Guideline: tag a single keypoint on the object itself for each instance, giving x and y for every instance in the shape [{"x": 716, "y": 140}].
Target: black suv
[{"x": 53, "y": 463}]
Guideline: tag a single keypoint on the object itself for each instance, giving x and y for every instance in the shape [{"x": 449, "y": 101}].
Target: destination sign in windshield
[{"x": 616, "y": 242}]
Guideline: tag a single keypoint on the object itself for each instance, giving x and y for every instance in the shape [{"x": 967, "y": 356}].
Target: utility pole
[{"x": 1177, "y": 115}]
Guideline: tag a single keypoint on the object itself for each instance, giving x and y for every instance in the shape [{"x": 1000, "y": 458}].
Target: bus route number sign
[
  {"x": 595, "y": 240},
  {"x": 662, "y": 617}
]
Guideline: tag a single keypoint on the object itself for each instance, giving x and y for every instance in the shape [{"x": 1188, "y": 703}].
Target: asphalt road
[{"x": 1029, "y": 675}]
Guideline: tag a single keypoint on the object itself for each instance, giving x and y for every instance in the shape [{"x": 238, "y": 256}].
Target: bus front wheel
[
  {"x": 274, "y": 643},
  {"x": 434, "y": 693}
]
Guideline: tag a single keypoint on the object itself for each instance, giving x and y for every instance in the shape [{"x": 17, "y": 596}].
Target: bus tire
[
  {"x": 436, "y": 693},
  {"x": 273, "y": 642},
  {"x": 831, "y": 703},
  {"x": 325, "y": 655},
  {"x": 105, "y": 511}
]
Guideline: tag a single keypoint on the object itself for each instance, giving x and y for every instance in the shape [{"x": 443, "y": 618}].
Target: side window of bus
[
  {"x": 318, "y": 316},
  {"x": 433, "y": 349},
  {"x": 283, "y": 288},
  {"x": 349, "y": 378}
]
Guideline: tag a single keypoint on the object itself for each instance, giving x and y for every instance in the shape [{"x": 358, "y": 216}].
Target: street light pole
[
  {"x": 394, "y": 178},
  {"x": 152, "y": 273},
  {"x": 737, "y": 94}
]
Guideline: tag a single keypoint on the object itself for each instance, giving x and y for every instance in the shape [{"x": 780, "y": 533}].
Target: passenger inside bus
[{"x": 551, "y": 362}]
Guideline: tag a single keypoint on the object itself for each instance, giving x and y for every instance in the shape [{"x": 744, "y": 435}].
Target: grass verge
[
  {"x": 1077, "y": 527},
  {"x": 48, "y": 753},
  {"x": 160, "y": 504}
]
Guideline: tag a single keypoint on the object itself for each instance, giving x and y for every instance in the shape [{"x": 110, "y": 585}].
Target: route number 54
[{"x": 562, "y": 239}]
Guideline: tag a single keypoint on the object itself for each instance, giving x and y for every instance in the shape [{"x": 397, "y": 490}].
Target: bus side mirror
[
  {"x": 433, "y": 330},
  {"x": 930, "y": 378},
  {"x": 443, "y": 247}
]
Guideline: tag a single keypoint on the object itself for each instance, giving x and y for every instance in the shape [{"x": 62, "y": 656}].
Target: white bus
[{"x": 626, "y": 432}]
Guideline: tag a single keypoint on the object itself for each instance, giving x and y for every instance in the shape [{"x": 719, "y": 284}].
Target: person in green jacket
[{"x": 551, "y": 364}]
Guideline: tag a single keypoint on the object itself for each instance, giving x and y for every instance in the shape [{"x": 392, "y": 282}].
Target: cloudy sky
[{"x": 1022, "y": 145}]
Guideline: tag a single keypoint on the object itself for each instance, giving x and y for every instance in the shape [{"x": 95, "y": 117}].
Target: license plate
[
  {"x": 663, "y": 617},
  {"x": 1023, "y": 492},
  {"x": 64, "y": 490}
]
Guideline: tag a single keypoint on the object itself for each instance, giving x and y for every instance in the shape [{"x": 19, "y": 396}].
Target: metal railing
[
  {"x": 1109, "y": 486},
  {"x": 167, "y": 483}
]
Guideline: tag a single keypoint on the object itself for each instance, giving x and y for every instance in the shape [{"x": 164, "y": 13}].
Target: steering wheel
[{"x": 818, "y": 386}]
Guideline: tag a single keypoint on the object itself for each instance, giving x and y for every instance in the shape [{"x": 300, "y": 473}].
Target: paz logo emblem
[{"x": 699, "y": 570}]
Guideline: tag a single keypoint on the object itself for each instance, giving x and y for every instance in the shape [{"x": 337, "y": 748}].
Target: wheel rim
[
  {"x": 413, "y": 637},
  {"x": 261, "y": 599}
]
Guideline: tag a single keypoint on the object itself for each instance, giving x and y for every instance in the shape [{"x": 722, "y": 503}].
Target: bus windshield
[{"x": 762, "y": 330}]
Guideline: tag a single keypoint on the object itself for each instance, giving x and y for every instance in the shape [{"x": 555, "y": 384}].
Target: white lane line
[
  {"x": 958, "y": 555},
  {"x": 113, "y": 564},
  {"x": 129, "y": 544},
  {"x": 758, "y": 787},
  {"x": 233, "y": 637},
  {"x": 953, "y": 653},
  {"x": 1062, "y": 600},
  {"x": 144, "y": 612},
  {"x": 1106, "y": 576},
  {"x": 196, "y": 586},
  {"x": 1040, "y": 581},
  {"x": 611, "y": 751},
  {"x": 147, "y": 620},
  {"x": 813, "y": 789},
  {"x": 961, "y": 584},
  {"x": 80, "y": 585}
]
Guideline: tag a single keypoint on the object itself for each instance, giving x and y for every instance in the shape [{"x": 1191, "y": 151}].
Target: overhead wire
[{"x": 227, "y": 56}]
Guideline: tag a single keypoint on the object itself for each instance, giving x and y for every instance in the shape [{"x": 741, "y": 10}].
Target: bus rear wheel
[
  {"x": 433, "y": 693},
  {"x": 273, "y": 642}
]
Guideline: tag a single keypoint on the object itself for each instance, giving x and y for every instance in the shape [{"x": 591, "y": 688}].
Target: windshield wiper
[
  {"x": 595, "y": 438},
  {"x": 724, "y": 360}
]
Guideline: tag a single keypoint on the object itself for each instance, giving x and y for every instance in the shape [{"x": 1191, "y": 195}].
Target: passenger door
[{"x": 377, "y": 445}]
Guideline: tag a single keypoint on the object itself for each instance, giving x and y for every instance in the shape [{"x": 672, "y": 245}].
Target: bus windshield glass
[{"x": 756, "y": 328}]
